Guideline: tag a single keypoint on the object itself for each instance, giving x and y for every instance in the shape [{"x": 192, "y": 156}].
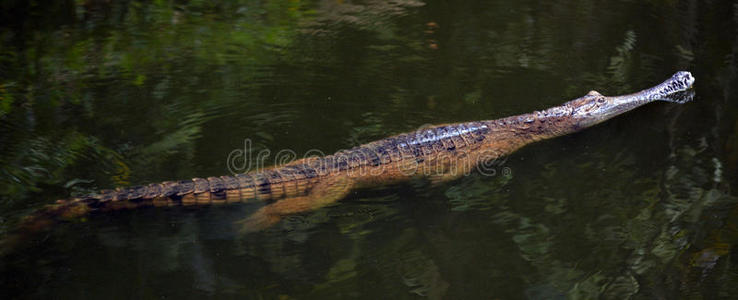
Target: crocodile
[{"x": 439, "y": 153}]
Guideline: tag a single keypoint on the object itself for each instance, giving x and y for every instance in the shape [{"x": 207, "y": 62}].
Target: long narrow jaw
[
  {"x": 681, "y": 81},
  {"x": 595, "y": 108}
]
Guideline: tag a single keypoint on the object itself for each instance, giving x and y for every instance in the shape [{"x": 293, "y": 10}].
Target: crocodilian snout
[
  {"x": 595, "y": 108},
  {"x": 677, "y": 89}
]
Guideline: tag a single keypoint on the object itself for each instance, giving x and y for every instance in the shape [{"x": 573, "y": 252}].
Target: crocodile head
[{"x": 595, "y": 108}]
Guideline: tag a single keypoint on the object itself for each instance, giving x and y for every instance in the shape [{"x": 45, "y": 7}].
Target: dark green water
[{"x": 100, "y": 94}]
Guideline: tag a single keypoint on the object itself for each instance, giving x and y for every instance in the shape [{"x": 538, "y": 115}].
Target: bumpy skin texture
[{"x": 440, "y": 153}]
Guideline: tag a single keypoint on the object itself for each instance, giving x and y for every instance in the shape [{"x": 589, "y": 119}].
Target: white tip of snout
[{"x": 685, "y": 78}]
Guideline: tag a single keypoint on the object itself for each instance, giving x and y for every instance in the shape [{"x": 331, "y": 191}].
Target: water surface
[{"x": 98, "y": 94}]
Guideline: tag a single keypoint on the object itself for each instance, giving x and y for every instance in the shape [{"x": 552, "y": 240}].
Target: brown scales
[{"x": 440, "y": 153}]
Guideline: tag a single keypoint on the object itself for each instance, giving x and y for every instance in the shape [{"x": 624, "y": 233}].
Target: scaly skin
[{"x": 440, "y": 153}]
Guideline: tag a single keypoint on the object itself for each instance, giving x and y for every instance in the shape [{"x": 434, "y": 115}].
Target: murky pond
[{"x": 104, "y": 94}]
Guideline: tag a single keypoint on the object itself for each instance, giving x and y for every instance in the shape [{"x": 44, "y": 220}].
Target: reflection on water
[{"x": 98, "y": 94}]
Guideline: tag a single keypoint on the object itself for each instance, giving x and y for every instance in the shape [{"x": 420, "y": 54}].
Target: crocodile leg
[
  {"x": 438, "y": 179},
  {"x": 326, "y": 192}
]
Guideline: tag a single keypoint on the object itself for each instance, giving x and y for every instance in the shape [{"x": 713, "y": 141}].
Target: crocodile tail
[
  {"x": 132, "y": 197},
  {"x": 41, "y": 221},
  {"x": 263, "y": 186},
  {"x": 266, "y": 186},
  {"x": 196, "y": 191}
]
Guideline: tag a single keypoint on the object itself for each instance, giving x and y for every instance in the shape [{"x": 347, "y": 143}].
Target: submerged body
[{"x": 440, "y": 153}]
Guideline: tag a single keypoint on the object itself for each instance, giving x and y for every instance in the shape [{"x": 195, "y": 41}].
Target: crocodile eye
[{"x": 601, "y": 100}]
